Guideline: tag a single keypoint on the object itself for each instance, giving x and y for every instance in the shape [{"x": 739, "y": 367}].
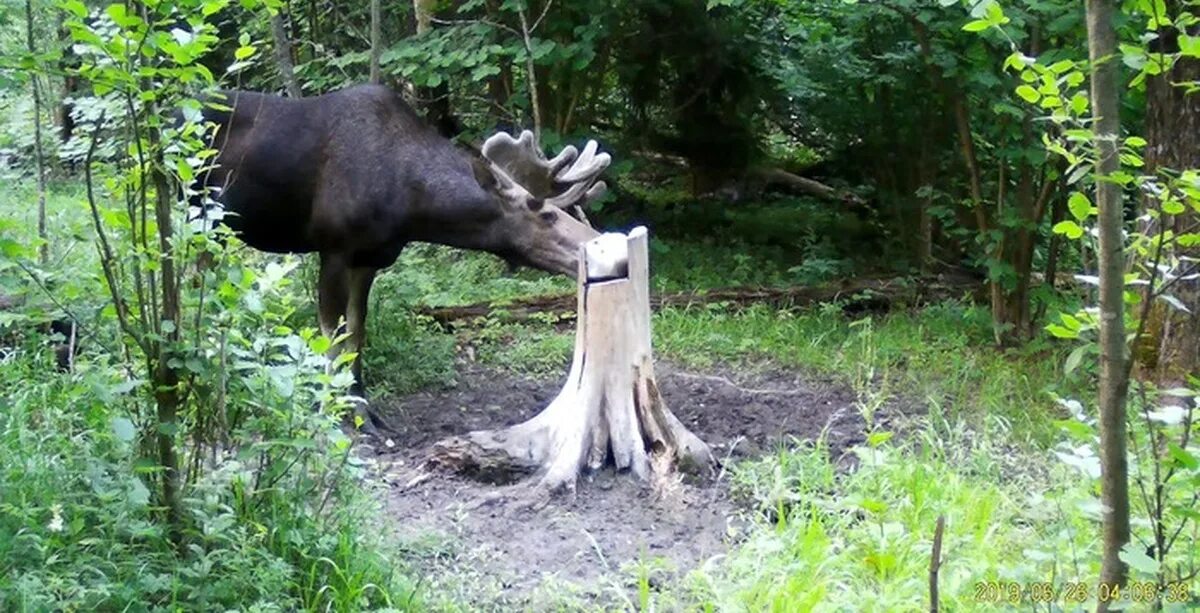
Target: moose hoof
[{"x": 368, "y": 421}]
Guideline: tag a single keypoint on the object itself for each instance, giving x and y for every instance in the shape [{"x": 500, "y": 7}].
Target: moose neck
[{"x": 460, "y": 215}]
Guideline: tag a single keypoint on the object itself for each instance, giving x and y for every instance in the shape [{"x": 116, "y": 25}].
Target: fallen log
[
  {"x": 855, "y": 295},
  {"x": 771, "y": 177}
]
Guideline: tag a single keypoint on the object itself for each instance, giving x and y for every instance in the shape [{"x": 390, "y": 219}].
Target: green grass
[
  {"x": 939, "y": 354},
  {"x": 830, "y": 540}
]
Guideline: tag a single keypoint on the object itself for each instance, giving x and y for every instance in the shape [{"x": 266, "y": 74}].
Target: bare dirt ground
[{"x": 492, "y": 552}]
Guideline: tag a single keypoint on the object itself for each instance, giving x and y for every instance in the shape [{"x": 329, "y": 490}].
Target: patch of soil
[{"x": 512, "y": 556}]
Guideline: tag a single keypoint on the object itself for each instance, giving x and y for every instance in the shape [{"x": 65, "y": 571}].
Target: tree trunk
[
  {"x": 610, "y": 405},
  {"x": 531, "y": 74},
  {"x": 1173, "y": 145},
  {"x": 499, "y": 85},
  {"x": 376, "y": 43},
  {"x": 283, "y": 56},
  {"x": 38, "y": 154},
  {"x": 434, "y": 100},
  {"x": 68, "y": 63},
  {"x": 1114, "y": 379}
]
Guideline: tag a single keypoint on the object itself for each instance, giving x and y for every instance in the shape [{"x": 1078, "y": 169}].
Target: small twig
[
  {"x": 720, "y": 379},
  {"x": 472, "y": 22},
  {"x": 545, "y": 9}
]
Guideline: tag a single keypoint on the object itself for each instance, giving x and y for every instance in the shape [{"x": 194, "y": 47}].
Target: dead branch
[{"x": 777, "y": 177}]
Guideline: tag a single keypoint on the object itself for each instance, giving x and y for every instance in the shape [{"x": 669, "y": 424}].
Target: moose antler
[{"x": 568, "y": 180}]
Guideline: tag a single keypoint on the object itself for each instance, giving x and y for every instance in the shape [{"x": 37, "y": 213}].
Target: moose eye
[{"x": 547, "y": 216}]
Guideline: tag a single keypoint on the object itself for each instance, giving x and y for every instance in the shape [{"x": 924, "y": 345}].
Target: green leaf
[
  {"x": 75, "y": 7},
  {"x": 995, "y": 15},
  {"x": 1074, "y": 359},
  {"x": 876, "y": 439},
  {"x": 124, "y": 429},
  {"x": 1030, "y": 94},
  {"x": 1135, "y": 556},
  {"x": 1184, "y": 457},
  {"x": 1076, "y": 428},
  {"x": 1070, "y": 321},
  {"x": 1155, "y": 12},
  {"x": 1061, "y": 66},
  {"x": 1175, "y": 302},
  {"x": 1080, "y": 206},
  {"x": 978, "y": 25},
  {"x": 1061, "y": 332},
  {"x": 185, "y": 171},
  {"x": 243, "y": 52},
  {"x": 1189, "y": 46},
  {"x": 1069, "y": 228}
]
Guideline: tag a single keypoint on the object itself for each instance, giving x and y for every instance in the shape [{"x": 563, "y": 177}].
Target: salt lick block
[{"x": 607, "y": 257}]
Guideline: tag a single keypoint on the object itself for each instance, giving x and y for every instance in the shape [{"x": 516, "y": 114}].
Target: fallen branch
[
  {"x": 766, "y": 176},
  {"x": 770, "y": 177},
  {"x": 857, "y": 294},
  {"x": 726, "y": 381}
]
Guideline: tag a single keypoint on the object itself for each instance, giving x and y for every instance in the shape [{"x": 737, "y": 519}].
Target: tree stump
[{"x": 610, "y": 408}]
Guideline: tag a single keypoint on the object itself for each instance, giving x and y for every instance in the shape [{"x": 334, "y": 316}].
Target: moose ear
[{"x": 483, "y": 174}]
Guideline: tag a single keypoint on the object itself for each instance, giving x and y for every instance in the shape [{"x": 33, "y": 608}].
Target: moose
[{"x": 357, "y": 175}]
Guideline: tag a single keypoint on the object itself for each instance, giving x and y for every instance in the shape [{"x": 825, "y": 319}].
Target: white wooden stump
[{"x": 610, "y": 405}]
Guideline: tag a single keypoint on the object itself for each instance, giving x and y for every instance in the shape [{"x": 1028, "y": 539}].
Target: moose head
[{"x": 540, "y": 201}]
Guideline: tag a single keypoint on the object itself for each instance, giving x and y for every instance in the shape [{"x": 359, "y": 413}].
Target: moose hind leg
[
  {"x": 333, "y": 293},
  {"x": 334, "y": 299},
  {"x": 360, "y": 280}
]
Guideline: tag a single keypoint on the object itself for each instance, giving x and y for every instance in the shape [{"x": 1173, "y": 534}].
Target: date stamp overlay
[{"x": 1013, "y": 592}]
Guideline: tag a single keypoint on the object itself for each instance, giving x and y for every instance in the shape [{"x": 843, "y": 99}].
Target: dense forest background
[
  {"x": 940, "y": 165},
  {"x": 910, "y": 129}
]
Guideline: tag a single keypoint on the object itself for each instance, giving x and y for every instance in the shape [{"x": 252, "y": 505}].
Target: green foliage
[
  {"x": 193, "y": 459},
  {"x": 1160, "y": 422},
  {"x": 276, "y": 518}
]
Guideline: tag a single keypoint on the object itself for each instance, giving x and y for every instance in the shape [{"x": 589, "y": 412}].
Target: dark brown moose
[{"x": 356, "y": 175}]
